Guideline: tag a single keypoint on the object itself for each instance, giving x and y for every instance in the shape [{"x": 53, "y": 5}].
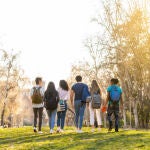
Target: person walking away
[
  {"x": 51, "y": 99},
  {"x": 114, "y": 100},
  {"x": 95, "y": 91},
  {"x": 37, "y": 93},
  {"x": 64, "y": 96},
  {"x": 77, "y": 102}
]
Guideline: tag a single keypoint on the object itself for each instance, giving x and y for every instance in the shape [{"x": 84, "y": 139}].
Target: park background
[{"x": 61, "y": 39}]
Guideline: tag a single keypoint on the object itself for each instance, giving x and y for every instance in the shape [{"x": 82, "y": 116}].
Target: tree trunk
[
  {"x": 130, "y": 114},
  {"x": 124, "y": 118},
  {"x": 3, "y": 114},
  {"x": 135, "y": 114}
]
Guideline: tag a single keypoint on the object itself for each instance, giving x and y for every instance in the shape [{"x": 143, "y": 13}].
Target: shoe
[
  {"x": 110, "y": 129},
  {"x": 116, "y": 130},
  {"x": 35, "y": 129},
  {"x": 51, "y": 131},
  {"x": 61, "y": 130},
  {"x": 92, "y": 130},
  {"x": 40, "y": 132},
  {"x": 80, "y": 131}
]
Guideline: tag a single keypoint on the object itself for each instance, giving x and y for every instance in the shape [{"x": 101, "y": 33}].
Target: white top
[
  {"x": 42, "y": 93},
  {"x": 63, "y": 95}
]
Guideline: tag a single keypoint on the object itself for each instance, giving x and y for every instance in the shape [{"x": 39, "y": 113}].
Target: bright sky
[{"x": 49, "y": 33}]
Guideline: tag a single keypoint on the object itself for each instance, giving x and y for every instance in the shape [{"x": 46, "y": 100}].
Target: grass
[{"x": 24, "y": 139}]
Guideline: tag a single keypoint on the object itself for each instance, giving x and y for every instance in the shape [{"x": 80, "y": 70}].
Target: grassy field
[{"x": 25, "y": 139}]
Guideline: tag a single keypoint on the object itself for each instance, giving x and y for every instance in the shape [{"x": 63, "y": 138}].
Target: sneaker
[
  {"x": 51, "y": 131},
  {"x": 35, "y": 129},
  {"x": 110, "y": 129},
  {"x": 80, "y": 131},
  {"x": 116, "y": 130},
  {"x": 61, "y": 130},
  {"x": 40, "y": 132}
]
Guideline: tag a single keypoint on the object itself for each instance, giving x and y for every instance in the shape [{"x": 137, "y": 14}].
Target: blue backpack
[
  {"x": 115, "y": 94},
  {"x": 85, "y": 94}
]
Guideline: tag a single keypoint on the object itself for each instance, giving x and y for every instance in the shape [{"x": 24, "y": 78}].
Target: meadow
[{"x": 24, "y": 139}]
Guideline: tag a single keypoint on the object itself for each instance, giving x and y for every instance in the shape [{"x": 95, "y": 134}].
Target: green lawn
[{"x": 25, "y": 139}]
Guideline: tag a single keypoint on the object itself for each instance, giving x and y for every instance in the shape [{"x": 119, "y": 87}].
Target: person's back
[
  {"x": 79, "y": 105},
  {"x": 37, "y": 93},
  {"x": 51, "y": 99},
  {"x": 78, "y": 89},
  {"x": 114, "y": 100},
  {"x": 94, "y": 105}
]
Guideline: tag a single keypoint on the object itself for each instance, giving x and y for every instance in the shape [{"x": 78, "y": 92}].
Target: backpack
[
  {"x": 37, "y": 97},
  {"x": 96, "y": 101},
  {"x": 115, "y": 94},
  {"x": 52, "y": 102},
  {"x": 86, "y": 98}
]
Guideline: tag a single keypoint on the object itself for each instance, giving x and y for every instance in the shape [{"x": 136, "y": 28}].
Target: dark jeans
[
  {"x": 113, "y": 109},
  {"x": 38, "y": 113},
  {"x": 61, "y": 119},
  {"x": 79, "y": 111}
]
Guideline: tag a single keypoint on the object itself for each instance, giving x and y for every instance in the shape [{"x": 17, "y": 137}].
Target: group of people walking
[{"x": 56, "y": 103}]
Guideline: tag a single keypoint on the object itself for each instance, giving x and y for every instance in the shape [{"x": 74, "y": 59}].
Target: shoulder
[
  {"x": 109, "y": 88},
  {"x": 73, "y": 86}
]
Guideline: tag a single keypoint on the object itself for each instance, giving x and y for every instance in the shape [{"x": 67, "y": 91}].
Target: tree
[{"x": 11, "y": 79}]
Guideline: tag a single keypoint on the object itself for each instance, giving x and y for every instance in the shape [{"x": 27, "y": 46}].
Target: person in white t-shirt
[
  {"x": 37, "y": 93},
  {"x": 64, "y": 96}
]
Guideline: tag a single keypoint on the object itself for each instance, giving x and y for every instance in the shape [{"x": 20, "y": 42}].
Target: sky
[{"x": 49, "y": 34}]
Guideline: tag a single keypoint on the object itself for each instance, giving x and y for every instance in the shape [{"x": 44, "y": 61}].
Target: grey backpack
[{"x": 96, "y": 101}]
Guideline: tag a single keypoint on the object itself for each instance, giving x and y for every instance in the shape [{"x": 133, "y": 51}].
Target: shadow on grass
[{"x": 72, "y": 141}]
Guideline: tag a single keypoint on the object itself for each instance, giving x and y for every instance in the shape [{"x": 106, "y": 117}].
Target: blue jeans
[
  {"x": 79, "y": 111},
  {"x": 61, "y": 119},
  {"x": 61, "y": 115},
  {"x": 52, "y": 116}
]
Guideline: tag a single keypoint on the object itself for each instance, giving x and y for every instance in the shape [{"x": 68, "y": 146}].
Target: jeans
[
  {"x": 113, "y": 109},
  {"x": 98, "y": 115},
  {"x": 52, "y": 116},
  {"x": 61, "y": 115},
  {"x": 38, "y": 112},
  {"x": 79, "y": 111}
]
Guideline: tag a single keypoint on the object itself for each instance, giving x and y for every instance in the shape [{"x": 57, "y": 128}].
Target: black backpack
[{"x": 51, "y": 103}]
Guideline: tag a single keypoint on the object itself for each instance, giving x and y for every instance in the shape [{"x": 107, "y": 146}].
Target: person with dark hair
[
  {"x": 95, "y": 90},
  {"x": 114, "y": 100},
  {"x": 64, "y": 97},
  {"x": 51, "y": 99},
  {"x": 77, "y": 102},
  {"x": 37, "y": 93}
]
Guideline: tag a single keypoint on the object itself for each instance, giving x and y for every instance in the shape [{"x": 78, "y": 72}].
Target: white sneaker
[
  {"x": 51, "y": 131},
  {"x": 80, "y": 131},
  {"x": 62, "y": 131},
  {"x": 40, "y": 132},
  {"x": 92, "y": 130}
]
